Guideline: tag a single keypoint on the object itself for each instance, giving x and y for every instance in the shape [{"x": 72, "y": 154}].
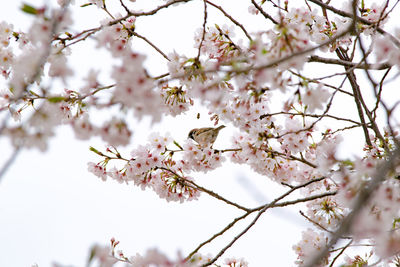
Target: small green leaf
[
  {"x": 29, "y": 9},
  {"x": 95, "y": 151},
  {"x": 85, "y": 5},
  {"x": 396, "y": 221},
  {"x": 92, "y": 255},
  {"x": 347, "y": 162},
  {"x": 33, "y": 93},
  {"x": 178, "y": 145},
  {"x": 56, "y": 99}
]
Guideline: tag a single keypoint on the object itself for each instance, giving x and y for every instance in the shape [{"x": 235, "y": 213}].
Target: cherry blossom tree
[{"x": 287, "y": 121}]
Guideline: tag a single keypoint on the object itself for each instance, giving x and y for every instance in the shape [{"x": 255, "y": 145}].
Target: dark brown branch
[
  {"x": 316, "y": 80},
  {"x": 209, "y": 192},
  {"x": 301, "y": 200},
  {"x": 124, "y": 6},
  {"x": 314, "y": 222},
  {"x": 340, "y": 253},
  {"x": 204, "y": 30},
  {"x": 350, "y": 15},
  {"x": 231, "y": 224},
  {"x": 276, "y": 153},
  {"x": 263, "y": 12},
  {"x": 293, "y": 188},
  {"x": 283, "y": 155},
  {"x": 331, "y": 76},
  {"x": 344, "y": 63},
  {"x": 215, "y": 195},
  {"x": 231, "y": 19},
  {"x": 356, "y": 92},
  {"x": 237, "y": 237},
  {"x": 309, "y": 115},
  {"x": 90, "y": 32},
  {"x": 148, "y": 13},
  {"x": 87, "y": 33},
  {"x": 150, "y": 43},
  {"x": 370, "y": 116},
  {"x": 226, "y": 228},
  {"x": 265, "y": 207},
  {"x": 379, "y": 93},
  {"x": 345, "y": 128}
]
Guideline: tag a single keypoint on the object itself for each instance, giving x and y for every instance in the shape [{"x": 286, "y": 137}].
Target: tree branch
[
  {"x": 204, "y": 30},
  {"x": 344, "y": 63},
  {"x": 231, "y": 19},
  {"x": 264, "y": 13},
  {"x": 9, "y": 162},
  {"x": 350, "y": 15},
  {"x": 263, "y": 209},
  {"x": 356, "y": 93},
  {"x": 209, "y": 192}
]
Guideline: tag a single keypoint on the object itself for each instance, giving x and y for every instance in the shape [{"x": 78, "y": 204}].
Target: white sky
[{"x": 53, "y": 210}]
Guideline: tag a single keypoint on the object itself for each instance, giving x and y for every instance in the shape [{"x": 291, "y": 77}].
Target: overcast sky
[{"x": 53, "y": 210}]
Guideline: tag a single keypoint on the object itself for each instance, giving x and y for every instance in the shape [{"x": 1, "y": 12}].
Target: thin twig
[
  {"x": 314, "y": 222},
  {"x": 292, "y": 189},
  {"x": 124, "y": 6},
  {"x": 340, "y": 253},
  {"x": 263, "y": 209},
  {"x": 147, "y": 13},
  {"x": 226, "y": 228},
  {"x": 301, "y": 200},
  {"x": 354, "y": 85},
  {"x": 272, "y": 64},
  {"x": 316, "y": 80},
  {"x": 271, "y": 205},
  {"x": 379, "y": 93},
  {"x": 151, "y": 44},
  {"x": 92, "y": 31},
  {"x": 204, "y": 30},
  {"x": 350, "y": 15},
  {"x": 231, "y": 224},
  {"x": 231, "y": 19},
  {"x": 9, "y": 162},
  {"x": 215, "y": 195},
  {"x": 263, "y": 12},
  {"x": 345, "y": 128},
  {"x": 207, "y": 191},
  {"x": 309, "y": 115},
  {"x": 381, "y": 66},
  {"x": 370, "y": 116}
]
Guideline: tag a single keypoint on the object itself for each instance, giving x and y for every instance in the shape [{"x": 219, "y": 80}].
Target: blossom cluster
[
  {"x": 311, "y": 243},
  {"x": 109, "y": 256},
  {"x": 156, "y": 166}
]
